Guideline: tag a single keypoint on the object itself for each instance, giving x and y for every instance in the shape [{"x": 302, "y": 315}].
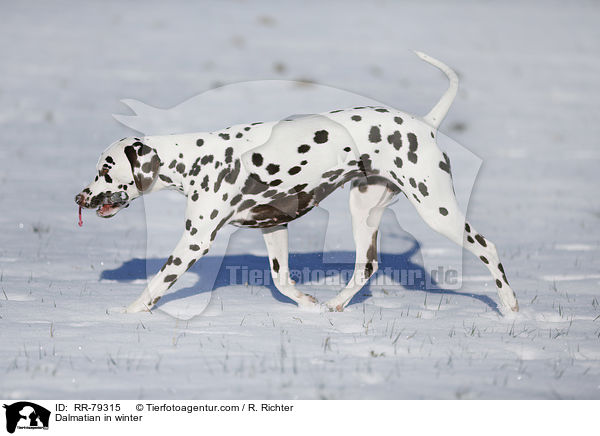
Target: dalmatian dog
[{"x": 264, "y": 175}]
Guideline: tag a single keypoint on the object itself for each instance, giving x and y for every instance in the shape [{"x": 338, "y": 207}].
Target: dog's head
[{"x": 126, "y": 170}]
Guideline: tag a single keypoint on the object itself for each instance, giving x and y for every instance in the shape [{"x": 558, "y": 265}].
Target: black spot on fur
[
  {"x": 275, "y": 265},
  {"x": 445, "y": 165},
  {"x": 298, "y": 188},
  {"x": 254, "y": 185},
  {"x": 294, "y": 170},
  {"x": 332, "y": 175},
  {"x": 225, "y": 136},
  {"x": 443, "y": 211},
  {"x": 382, "y": 110},
  {"x": 232, "y": 175},
  {"x": 214, "y": 214},
  {"x": 471, "y": 240},
  {"x": 321, "y": 136},
  {"x": 347, "y": 149},
  {"x": 375, "y": 135},
  {"x": 423, "y": 189},
  {"x": 356, "y": 118},
  {"x": 396, "y": 178},
  {"x": 498, "y": 283},
  {"x": 207, "y": 159},
  {"x": 143, "y": 149},
  {"x": 165, "y": 178},
  {"x": 481, "y": 240},
  {"x": 412, "y": 182},
  {"x": 214, "y": 232},
  {"x": 246, "y": 204},
  {"x": 398, "y": 120},
  {"x": 204, "y": 184},
  {"x": 272, "y": 169},
  {"x": 371, "y": 255},
  {"x": 395, "y": 139},
  {"x": 412, "y": 146},
  {"x": 257, "y": 159},
  {"x": 228, "y": 154},
  {"x": 200, "y": 142},
  {"x": 365, "y": 165},
  {"x": 194, "y": 247},
  {"x": 235, "y": 200},
  {"x": 484, "y": 259},
  {"x": 171, "y": 278},
  {"x": 368, "y": 269},
  {"x": 303, "y": 148},
  {"x": 398, "y": 162},
  {"x": 467, "y": 227}
]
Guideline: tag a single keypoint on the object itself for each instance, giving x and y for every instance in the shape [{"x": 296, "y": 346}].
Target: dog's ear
[{"x": 145, "y": 164}]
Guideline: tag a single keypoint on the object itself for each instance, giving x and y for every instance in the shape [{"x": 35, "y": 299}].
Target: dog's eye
[{"x": 103, "y": 172}]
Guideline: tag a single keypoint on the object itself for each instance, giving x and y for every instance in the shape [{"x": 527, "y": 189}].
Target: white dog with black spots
[{"x": 264, "y": 175}]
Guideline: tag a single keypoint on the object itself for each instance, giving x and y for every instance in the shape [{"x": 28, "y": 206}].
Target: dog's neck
[{"x": 175, "y": 167}]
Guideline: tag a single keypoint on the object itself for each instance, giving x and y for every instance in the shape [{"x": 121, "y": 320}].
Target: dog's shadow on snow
[{"x": 217, "y": 271}]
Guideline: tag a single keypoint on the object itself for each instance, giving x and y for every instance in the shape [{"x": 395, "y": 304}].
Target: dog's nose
[{"x": 79, "y": 199}]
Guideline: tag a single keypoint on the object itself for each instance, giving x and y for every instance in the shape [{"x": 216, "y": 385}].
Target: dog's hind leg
[
  {"x": 486, "y": 251},
  {"x": 367, "y": 204},
  {"x": 441, "y": 212},
  {"x": 276, "y": 240}
]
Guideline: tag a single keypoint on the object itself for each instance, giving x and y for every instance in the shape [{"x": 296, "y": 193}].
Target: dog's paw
[
  {"x": 308, "y": 302},
  {"x": 137, "y": 307},
  {"x": 334, "y": 306}
]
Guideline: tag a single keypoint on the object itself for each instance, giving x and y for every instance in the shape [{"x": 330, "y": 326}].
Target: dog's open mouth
[{"x": 112, "y": 204}]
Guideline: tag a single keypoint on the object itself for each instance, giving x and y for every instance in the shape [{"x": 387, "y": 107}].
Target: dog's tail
[{"x": 439, "y": 111}]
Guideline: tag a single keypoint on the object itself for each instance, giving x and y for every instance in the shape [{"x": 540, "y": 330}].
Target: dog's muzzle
[{"x": 108, "y": 204}]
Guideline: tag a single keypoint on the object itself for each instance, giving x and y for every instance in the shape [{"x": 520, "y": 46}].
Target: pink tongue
[{"x": 80, "y": 220}]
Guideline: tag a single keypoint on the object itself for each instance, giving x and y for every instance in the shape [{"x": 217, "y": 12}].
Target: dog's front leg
[{"x": 200, "y": 230}]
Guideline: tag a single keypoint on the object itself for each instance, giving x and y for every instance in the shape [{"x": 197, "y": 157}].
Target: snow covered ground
[{"x": 528, "y": 107}]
